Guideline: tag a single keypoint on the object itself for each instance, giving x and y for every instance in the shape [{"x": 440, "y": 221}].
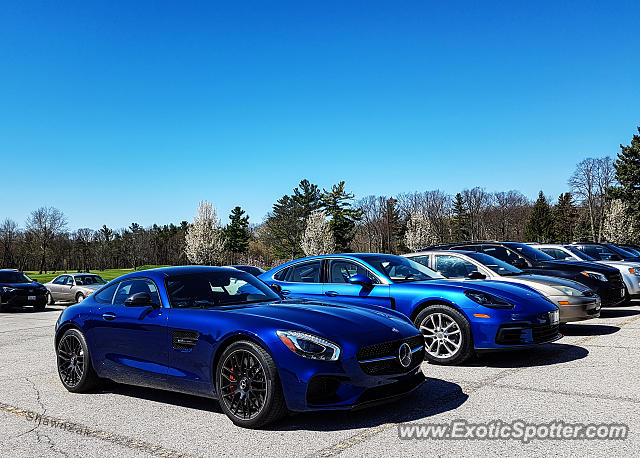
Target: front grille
[
  {"x": 522, "y": 335},
  {"x": 381, "y": 359},
  {"x": 615, "y": 280}
]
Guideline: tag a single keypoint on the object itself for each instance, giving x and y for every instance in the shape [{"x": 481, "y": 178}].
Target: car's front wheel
[
  {"x": 248, "y": 385},
  {"x": 79, "y": 298},
  {"x": 74, "y": 362},
  {"x": 50, "y": 300},
  {"x": 447, "y": 335}
]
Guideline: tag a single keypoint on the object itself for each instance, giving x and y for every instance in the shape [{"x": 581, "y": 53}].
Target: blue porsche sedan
[
  {"x": 455, "y": 317},
  {"x": 224, "y": 334}
]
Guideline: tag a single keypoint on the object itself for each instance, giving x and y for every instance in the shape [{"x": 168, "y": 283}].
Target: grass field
[{"x": 108, "y": 274}]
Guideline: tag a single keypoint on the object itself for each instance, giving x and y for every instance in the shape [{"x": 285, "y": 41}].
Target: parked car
[
  {"x": 456, "y": 318},
  {"x": 222, "y": 333},
  {"x": 253, "y": 270},
  {"x": 630, "y": 271},
  {"x": 633, "y": 249},
  {"x": 606, "y": 252},
  {"x": 74, "y": 287},
  {"x": 575, "y": 301},
  {"x": 18, "y": 290},
  {"x": 605, "y": 281}
]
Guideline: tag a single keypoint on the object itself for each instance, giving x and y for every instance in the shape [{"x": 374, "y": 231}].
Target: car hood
[
  {"x": 577, "y": 265},
  {"x": 511, "y": 291},
  {"x": 330, "y": 319},
  {"x": 545, "y": 284},
  {"x": 21, "y": 285},
  {"x": 620, "y": 264}
]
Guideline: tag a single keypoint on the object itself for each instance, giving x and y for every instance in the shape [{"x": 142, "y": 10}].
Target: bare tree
[
  {"x": 9, "y": 234},
  {"x": 508, "y": 216},
  {"x": 204, "y": 239},
  {"x": 435, "y": 205},
  {"x": 590, "y": 181},
  {"x": 45, "y": 224},
  {"x": 477, "y": 201},
  {"x": 317, "y": 237}
]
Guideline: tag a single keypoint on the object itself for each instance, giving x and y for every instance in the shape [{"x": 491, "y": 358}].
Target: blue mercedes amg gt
[
  {"x": 224, "y": 334},
  {"x": 455, "y": 317}
]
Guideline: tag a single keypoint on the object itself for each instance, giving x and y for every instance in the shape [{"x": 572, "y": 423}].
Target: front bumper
[
  {"x": 344, "y": 384},
  {"x": 18, "y": 299},
  {"x": 577, "y": 308}
]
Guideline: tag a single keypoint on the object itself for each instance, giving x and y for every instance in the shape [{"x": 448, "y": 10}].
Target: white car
[{"x": 629, "y": 270}]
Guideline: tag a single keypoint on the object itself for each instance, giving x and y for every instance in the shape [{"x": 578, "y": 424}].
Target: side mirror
[
  {"x": 277, "y": 288},
  {"x": 519, "y": 263},
  {"x": 475, "y": 275},
  {"x": 139, "y": 300},
  {"x": 361, "y": 279}
]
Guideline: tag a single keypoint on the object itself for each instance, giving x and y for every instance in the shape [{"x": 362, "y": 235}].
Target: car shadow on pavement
[
  {"x": 433, "y": 397},
  {"x": 618, "y": 313},
  {"x": 574, "y": 329},
  {"x": 544, "y": 355}
]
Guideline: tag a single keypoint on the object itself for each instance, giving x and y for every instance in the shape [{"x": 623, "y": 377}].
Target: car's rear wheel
[
  {"x": 74, "y": 362},
  {"x": 248, "y": 385},
  {"x": 79, "y": 298},
  {"x": 447, "y": 335}
]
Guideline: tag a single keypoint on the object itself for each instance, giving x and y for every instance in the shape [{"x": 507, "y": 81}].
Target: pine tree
[
  {"x": 237, "y": 232},
  {"x": 627, "y": 167},
  {"x": 565, "y": 219},
  {"x": 343, "y": 218},
  {"x": 540, "y": 225},
  {"x": 460, "y": 221}
]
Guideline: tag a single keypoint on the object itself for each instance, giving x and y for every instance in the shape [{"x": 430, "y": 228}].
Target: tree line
[{"x": 602, "y": 203}]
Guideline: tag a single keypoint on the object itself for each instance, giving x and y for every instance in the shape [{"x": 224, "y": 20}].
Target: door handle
[
  {"x": 285, "y": 292},
  {"x": 331, "y": 293},
  {"x": 109, "y": 316}
]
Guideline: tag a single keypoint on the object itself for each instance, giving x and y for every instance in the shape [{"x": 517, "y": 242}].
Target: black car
[
  {"x": 18, "y": 290},
  {"x": 606, "y": 252},
  {"x": 255, "y": 271},
  {"x": 604, "y": 280}
]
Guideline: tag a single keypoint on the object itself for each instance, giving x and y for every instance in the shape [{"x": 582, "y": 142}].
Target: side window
[
  {"x": 60, "y": 280},
  {"x": 127, "y": 288},
  {"x": 555, "y": 253},
  {"x": 69, "y": 281},
  {"x": 500, "y": 252},
  {"x": 340, "y": 271},
  {"x": 281, "y": 275},
  {"x": 454, "y": 267},
  {"x": 307, "y": 272},
  {"x": 424, "y": 260},
  {"x": 106, "y": 295}
]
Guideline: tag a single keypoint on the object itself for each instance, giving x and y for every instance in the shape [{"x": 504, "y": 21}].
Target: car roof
[
  {"x": 161, "y": 272},
  {"x": 9, "y": 270}
]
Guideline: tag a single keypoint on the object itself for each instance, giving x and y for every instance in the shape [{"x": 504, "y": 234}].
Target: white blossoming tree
[
  {"x": 419, "y": 233},
  {"x": 204, "y": 241},
  {"x": 618, "y": 227},
  {"x": 317, "y": 238}
]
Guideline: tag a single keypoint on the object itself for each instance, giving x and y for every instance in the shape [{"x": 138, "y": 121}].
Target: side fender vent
[{"x": 185, "y": 340}]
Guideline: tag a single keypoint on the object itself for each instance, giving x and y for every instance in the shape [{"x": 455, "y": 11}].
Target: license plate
[
  {"x": 554, "y": 317},
  {"x": 31, "y": 298}
]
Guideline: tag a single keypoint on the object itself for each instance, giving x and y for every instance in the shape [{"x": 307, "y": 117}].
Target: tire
[
  {"x": 74, "y": 362},
  {"x": 80, "y": 297},
  {"x": 245, "y": 374},
  {"x": 40, "y": 307},
  {"x": 442, "y": 346},
  {"x": 50, "y": 300}
]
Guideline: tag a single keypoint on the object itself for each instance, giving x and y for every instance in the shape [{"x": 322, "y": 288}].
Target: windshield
[
  {"x": 580, "y": 254},
  {"x": 600, "y": 252},
  {"x": 625, "y": 253},
  {"x": 632, "y": 250},
  {"x": 399, "y": 269},
  {"x": 14, "y": 277},
  {"x": 85, "y": 280},
  {"x": 529, "y": 252},
  {"x": 498, "y": 266},
  {"x": 216, "y": 289}
]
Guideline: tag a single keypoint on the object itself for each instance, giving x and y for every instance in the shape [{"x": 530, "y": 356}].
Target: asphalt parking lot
[{"x": 591, "y": 375}]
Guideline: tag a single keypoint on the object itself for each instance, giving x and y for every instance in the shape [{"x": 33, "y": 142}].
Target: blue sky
[{"x": 118, "y": 111}]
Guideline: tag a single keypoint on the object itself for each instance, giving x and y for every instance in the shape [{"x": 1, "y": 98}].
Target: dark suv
[
  {"x": 604, "y": 280},
  {"x": 606, "y": 252},
  {"x": 17, "y": 290}
]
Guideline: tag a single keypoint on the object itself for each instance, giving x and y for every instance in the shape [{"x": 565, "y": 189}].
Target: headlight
[
  {"x": 568, "y": 290},
  {"x": 6, "y": 289},
  {"x": 594, "y": 275},
  {"x": 488, "y": 300},
  {"x": 309, "y": 346},
  {"x": 635, "y": 271}
]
